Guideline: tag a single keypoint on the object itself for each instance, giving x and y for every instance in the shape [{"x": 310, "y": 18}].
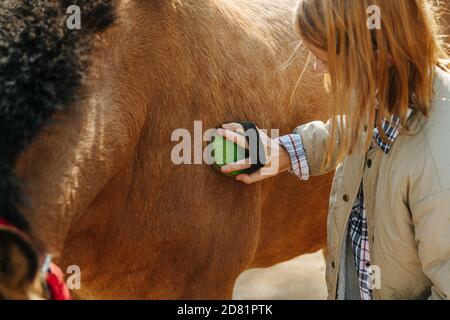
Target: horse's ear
[{"x": 19, "y": 261}]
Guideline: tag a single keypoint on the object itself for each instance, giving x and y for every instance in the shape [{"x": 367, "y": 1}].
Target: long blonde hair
[{"x": 374, "y": 73}]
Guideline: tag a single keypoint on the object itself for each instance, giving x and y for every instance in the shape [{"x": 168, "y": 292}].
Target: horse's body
[{"x": 105, "y": 193}]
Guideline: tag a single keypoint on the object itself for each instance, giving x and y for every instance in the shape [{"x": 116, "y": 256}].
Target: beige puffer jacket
[{"x": 407, "y": 194}]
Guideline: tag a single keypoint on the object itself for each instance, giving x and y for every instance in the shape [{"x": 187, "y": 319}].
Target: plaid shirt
[{"x": 357, "y": 225}]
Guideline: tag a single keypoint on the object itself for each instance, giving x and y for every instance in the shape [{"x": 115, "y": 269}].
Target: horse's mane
[{"x": 42, "y": 64}]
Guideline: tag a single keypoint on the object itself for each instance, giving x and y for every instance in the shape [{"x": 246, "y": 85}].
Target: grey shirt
[{"x": 348, "y": 283}]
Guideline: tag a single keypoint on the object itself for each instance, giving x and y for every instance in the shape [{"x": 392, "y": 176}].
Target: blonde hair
[{"x": 373, "y": 73}]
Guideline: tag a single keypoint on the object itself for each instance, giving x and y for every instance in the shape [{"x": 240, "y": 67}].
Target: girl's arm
[
  {"x": 307, "y": 148},
  {"x": 431, "y": 218},
  {"x": 302, "y": 152}
]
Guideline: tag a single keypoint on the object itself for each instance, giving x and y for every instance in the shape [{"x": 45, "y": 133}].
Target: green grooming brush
[{"x": 225, "y": 152}]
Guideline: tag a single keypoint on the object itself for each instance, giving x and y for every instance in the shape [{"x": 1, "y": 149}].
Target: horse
[{"x": 102, "y": 192}]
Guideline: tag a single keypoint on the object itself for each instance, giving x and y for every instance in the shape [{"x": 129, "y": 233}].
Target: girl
[{"x": 388, "y": 140}]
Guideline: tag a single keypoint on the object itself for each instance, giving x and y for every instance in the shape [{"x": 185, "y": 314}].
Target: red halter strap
[{"x": 52, "y": 276}]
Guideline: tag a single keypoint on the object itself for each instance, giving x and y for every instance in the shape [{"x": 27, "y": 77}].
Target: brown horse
[{"x": 105, "y": 194}]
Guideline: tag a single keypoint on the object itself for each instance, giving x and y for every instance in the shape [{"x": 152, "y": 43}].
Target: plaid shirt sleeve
[{"x": 294, "y": 146}]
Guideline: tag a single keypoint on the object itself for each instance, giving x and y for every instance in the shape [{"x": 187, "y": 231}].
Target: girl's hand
[{"x": 277, "y": 158}]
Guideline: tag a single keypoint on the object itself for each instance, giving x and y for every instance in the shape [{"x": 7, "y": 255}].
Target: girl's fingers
[
  {"x": 252, "y": 178},
  {"x": 234, "y": 127},
  {"x": 237, "y": 166},
  {"x": 234, "y": 137},
  {"x": 235, "y": 133}
]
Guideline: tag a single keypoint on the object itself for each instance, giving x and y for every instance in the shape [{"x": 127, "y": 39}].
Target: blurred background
[{"x": 302, "y": 278}]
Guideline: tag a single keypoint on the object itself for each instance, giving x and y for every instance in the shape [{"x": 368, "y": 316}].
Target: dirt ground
[{"x": 302, "y": 278}]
